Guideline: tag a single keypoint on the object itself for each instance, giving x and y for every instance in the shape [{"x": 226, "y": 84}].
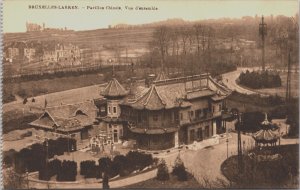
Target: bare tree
[
  {"x": 197, "y": 33},
  {"x": 161, "y": 40}
]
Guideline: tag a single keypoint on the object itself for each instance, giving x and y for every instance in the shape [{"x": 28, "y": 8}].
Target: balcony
[{"x": 204, "y": 117}]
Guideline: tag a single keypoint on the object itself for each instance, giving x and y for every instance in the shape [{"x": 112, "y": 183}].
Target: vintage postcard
[{"x": 101, "y": 94}]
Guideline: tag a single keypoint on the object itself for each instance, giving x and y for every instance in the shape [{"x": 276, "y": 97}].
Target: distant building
[
  {"x": 12, "y": 53},
  {"x": 50, "y": 56},
  {"x": 29, "y": 53},
  {"x": 32, "y": 27},
  {"x": 67, "y": 54}
]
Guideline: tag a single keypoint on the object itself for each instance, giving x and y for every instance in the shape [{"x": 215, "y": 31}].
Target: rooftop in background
[{"x": 68, "y": 117}]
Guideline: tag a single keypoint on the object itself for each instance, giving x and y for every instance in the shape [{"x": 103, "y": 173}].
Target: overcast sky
[{"x": 16, "y": 12}]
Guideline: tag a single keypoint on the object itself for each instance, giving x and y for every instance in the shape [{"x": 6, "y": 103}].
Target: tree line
[{"x": 190, "y": 49}]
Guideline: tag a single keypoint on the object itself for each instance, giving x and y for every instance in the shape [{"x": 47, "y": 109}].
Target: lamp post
[
  {"x": 47, "y": 161},
  {"x": 227, "y": 146},
  {"x": 239, "y": 124},
  {"x": 68, "y": 143},
  {"x": 263, "y": 33},
  {"x": 72, "y": 153},
  {"x": 227, "y": 140}
]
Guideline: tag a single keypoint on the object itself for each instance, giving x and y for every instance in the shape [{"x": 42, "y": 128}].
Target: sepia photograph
[{"x": 150, "y": 94}]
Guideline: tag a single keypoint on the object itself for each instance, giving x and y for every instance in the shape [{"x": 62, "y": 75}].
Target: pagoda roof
[
  {"x": 151, "y": 100},
  {"x": 172, "y": 93},
  {"x": 114, "y": 89},
  {"x": 266, "y": 136}
]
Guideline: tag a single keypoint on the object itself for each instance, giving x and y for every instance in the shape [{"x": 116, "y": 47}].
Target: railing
[
  {"x": 182, "y": 79},
  {"x": 197, "y": 119},
  {"x": 146, "y": 125}
]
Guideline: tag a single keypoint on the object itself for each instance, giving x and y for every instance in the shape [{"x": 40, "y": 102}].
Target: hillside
[{"x": 136, "y": 37}]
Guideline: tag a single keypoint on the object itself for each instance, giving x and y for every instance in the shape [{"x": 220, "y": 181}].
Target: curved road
[{"x": 229, "y": 79}]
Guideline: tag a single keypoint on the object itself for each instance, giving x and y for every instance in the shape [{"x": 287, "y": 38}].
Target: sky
[{"x": 16, "y": 12}]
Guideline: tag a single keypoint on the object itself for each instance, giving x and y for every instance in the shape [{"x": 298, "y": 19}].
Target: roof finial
[
  {"x": 266, "y": 121},
  {"x": 266, "y": 117},
  {"x": 113, "y": 70}
]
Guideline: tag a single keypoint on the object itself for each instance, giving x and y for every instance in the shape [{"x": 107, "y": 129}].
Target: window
[
  {"x": 109, "y": 111},
  {"x": 114, "y": 109},
  {"x": 102, "y": 109},
  {"x": 155, "y": 117},
  {"x": 121, "y": 132},
  {"x": 199, "y": 134},
  {"x": 191, "y": 113},
  {"x": 192, "y": 135},
  {"x": 176, "y": 115},
  {"x": 207, "y": 131},
  {"x": 220, "y": 107},
  {"x": 198, "y": 113},
  {"x": 116, "y": 136}
]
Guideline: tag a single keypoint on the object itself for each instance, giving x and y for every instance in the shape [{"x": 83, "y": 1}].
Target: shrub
[
  {"x": 179, "y": 170},
  {"x": 105, "y": 164},
  {"x": 88, "y": 169},
  {"x": 68, "y": 171},
  {"x": 139, "y": 160},
  {"x": 162, "y": 171},
  {"x": 22, "y": 160},
  {"x": 120, "y": 165},
  {"x": 9, "y": 157}
]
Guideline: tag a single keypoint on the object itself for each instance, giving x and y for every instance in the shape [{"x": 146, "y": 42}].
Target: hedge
[
  {"x": 262, "y": 79},
  {"x": 68, "y": 171},
  {"x": 33, "y": 158}
]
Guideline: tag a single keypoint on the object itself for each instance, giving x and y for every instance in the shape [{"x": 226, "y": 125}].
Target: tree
[
  {"x": 161, "y": 41},
  {"x": 162, "y": 171}
]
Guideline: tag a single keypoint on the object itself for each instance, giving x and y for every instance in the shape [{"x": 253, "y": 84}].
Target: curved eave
[
  {"x": 265, "y": 136},
  {"x": 155, "y": 131},
  {"x": 265, "y": 140},
  {"x": 111, "y": 95}
]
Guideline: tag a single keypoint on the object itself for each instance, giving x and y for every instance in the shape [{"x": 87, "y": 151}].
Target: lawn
[
  {"x": 265, "y": 174},
  {"x": 171, "y": 183}
]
